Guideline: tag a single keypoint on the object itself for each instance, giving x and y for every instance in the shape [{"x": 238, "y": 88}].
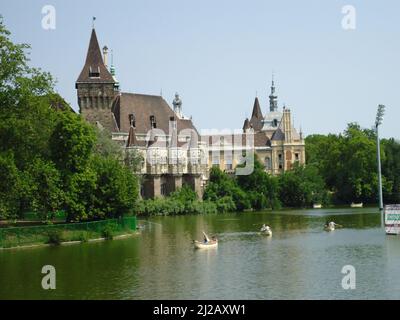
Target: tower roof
[
  {"x": 246, "y": 124},
  {"x": 257, "y": 110},
  {"x": 256, "y": 117},
  {"x": 94, "y": 69}
]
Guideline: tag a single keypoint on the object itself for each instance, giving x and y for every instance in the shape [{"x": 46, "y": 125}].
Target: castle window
[
  {"x": 280, "y": 161},
  {"x": 94, "y": 73},
  {"x": 228, "y": 160},
  {"x": 275, "y": 123},
  {"x": 296, "y": 156},
  {"x": 153, "y": 123},
  {"x": 268, "y": 163},
  {"x": 164, "y": 189},
  {"x": 215, "y": 158},
  {"x": 132, "y": 120}
]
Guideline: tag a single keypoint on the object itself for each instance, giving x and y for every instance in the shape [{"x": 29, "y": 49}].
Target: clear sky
[{"x": 218, "y": 53}]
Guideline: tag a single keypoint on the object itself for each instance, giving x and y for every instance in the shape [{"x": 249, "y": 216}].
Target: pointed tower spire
[
  {"x": 94, "y": 70},
  {"x": 256, "y": 120},
  {"x": 256, "y": 109},
  {"x": 246, "y": 125},
  {"x": 273, "y": 98}
]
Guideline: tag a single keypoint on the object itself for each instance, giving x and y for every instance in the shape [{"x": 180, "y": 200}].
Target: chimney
[{"x": 105, "y": 55}]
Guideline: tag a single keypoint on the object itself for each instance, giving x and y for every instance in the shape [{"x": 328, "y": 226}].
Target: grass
[{"x": 25, "y": 236}]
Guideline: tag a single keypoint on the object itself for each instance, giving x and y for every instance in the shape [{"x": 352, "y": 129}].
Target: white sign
[{"x": 392, "y": 219}]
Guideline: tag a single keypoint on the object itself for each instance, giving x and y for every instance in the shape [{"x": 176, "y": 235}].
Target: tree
[
  {"x": 221, "y": 185},
  {"x": 72, "y": 143},
  {"x": 117, "y": 188},
  {"x": 302, "y": 186},
  {"x": 10, "y": 187},
  {"x": 46, "y": 192},
  {"x": 261, "y": 188},
  {"x": 391, "y": 170}
]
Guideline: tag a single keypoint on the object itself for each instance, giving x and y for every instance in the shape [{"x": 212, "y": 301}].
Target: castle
[{"x": 172, "y": 150}]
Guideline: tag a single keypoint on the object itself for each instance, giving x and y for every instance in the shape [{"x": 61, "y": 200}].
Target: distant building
[
  {"x": 272, "y": 137},
  {"x": 173, "y": 152}
]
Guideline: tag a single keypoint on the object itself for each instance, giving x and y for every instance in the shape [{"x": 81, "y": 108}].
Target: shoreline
[{"x": 70, "y": 243}]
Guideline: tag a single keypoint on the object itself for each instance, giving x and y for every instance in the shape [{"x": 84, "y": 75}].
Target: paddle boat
[
  {"x": 206, "y": 243},
  {"x": 356, "y": 205},
  {"x": 266, "y": 230},
  {"x": 331, "y": 226}
]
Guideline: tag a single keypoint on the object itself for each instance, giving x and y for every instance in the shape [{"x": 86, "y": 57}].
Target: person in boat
[
  {"x": 332, "y": 225},
  {"x": 265, "y": 228}
]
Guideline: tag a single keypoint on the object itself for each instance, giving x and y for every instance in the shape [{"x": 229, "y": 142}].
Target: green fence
[{"x": 20, "y": 236}]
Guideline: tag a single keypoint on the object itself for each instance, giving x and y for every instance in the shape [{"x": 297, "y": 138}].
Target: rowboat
[
  {"x": 329, "y": 228},
  {"x": 266, "y": 230},
  {"x": 356, "y": 205},
  {"x": 207, "y": 243}
]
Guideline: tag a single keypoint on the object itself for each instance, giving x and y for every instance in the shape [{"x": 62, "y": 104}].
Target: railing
[{"x": 20, "y": 236}]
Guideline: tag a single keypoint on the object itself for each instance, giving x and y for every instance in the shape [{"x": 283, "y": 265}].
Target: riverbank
[
  {"x": 72, "y": 242},
  {"x": 61, "y": 234}
]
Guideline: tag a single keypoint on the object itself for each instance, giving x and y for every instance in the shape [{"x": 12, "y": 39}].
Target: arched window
[
  {"x": 153, "y": 123},
  {"x": 132, "y": 120}
]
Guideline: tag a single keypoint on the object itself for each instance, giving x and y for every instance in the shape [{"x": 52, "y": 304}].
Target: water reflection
[{"x": 299, "y": 261}]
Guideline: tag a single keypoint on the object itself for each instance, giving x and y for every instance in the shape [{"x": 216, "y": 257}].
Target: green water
[{"x": 300, "y": 260}]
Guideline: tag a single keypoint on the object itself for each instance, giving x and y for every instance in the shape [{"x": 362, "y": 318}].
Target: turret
[{"x": 95, "y": 87}]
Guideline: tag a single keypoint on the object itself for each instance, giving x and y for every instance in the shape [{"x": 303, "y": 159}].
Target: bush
[
  {"x": 225, "y": 204},
  {"x": 83, "y": 236},
  {"x": 55, "y": 237},
  {"x": 108, "y": 231}
]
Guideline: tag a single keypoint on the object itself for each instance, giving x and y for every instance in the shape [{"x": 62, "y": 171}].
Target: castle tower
[
  {"x": 273, "y": 98},
  {"x": 96, "y": 87},
  {"x": 287, "y": 125}
]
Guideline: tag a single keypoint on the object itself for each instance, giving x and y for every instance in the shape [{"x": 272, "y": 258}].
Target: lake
[{"x": 300, "y": 260}]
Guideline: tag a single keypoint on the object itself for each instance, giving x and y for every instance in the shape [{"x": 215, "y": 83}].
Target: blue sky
[{"x": 218, "y": 54}]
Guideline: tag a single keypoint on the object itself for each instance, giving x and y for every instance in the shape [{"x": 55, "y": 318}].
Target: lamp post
[{"x": 378, "y": 122}]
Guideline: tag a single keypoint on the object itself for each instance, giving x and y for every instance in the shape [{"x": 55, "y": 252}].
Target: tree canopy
[{"x": 50, "y": 158}]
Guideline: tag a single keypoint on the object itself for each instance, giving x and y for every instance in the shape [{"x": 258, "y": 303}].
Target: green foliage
[
  {"x": 222, "y": 185},
  {"x": 108, "y": 231},
  {"x": 261, "y": 188},
  {"x": 105, "y": 146},
  {"x": 391, "y": 170},
  {"x": 225, "y": 204},
  {"x": 302, "y": 187},
  {"x": 46, "y": 193},
  {"x": 10, "y": 187},
  {"x": 55, "y": 237},
  {"x": 116, "y": 188},
  {"x": 50, "y": 158},
  {"x": 184, "y": 194},
  {"x": 347, "y": 163},
  {"x": 173, "y": 206},
  {"x": 72, "y": 143}
]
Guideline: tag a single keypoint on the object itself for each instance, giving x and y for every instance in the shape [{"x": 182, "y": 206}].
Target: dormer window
[
  {"x": 94, "y": 72},
  {"x": 132, "y": 120},
  {"x": 153, "y": 123}
]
